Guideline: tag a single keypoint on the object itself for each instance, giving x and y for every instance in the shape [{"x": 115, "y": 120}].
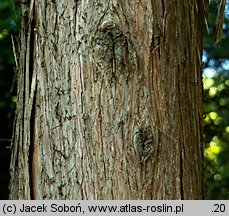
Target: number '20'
[{"x": 219, "y": 208}]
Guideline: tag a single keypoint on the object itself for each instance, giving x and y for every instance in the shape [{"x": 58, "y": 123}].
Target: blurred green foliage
[
  {"x": 8, "y": 28},
  {"x": 216, "y": 100},
  {"x": 216, "y": 108}
]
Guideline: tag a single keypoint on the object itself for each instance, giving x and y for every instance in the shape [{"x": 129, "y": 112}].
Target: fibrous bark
[{"x": 109, "y": 101}]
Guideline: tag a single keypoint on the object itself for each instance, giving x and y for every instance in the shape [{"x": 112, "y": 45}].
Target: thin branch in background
[
  {"x": 16, "y": 62},
  {"x": 219, "y": 21},
  {"x": 6, "y": 140}
]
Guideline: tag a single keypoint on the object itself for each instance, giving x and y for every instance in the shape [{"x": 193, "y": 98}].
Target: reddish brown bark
[{"x": 109, "y": 101}]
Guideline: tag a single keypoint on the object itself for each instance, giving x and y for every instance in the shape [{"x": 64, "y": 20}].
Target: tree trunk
[{"x": 109, "y": 101}]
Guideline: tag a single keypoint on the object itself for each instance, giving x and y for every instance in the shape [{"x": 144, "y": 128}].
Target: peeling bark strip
[{"x": 109, "y": 101}]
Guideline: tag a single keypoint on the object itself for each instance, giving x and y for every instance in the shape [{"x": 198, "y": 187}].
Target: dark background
[{"x": 216, "y": 99}]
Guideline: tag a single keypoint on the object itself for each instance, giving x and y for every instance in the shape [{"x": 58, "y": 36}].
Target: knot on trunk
[
  {"x": 143, "y": 140},
  {"x": 110, "y": 50}
]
